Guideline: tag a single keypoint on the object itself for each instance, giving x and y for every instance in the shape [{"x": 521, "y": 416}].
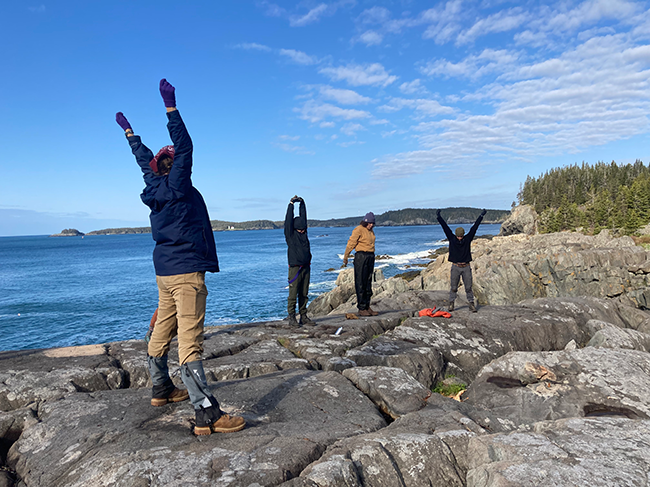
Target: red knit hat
[{"x": 167, "y": 151}]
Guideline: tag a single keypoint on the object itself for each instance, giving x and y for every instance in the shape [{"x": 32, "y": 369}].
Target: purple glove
[
  {"x": 122, "y": 121},
  {"x": 167, "y": 92}
]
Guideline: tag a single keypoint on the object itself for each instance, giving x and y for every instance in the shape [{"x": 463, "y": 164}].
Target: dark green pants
[{"x": 298, "y": 289}]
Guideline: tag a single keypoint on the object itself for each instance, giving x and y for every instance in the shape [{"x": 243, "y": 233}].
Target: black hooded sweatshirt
[
  {"x": 460, "y": 250},
  {"x": 298, "y": 251}
]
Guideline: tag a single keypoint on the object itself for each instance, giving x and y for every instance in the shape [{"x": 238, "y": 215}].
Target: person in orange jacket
[{"x": 362, "y": 241}]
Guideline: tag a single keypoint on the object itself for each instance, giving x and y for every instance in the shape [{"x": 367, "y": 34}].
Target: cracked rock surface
[{"x": 557, "y": 395}]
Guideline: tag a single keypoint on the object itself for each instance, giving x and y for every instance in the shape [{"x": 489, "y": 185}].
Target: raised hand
[
  {"x": 483, "y": 212},
  {"x": 168, "y": 93},
  {"x": 122, "y": 121}
]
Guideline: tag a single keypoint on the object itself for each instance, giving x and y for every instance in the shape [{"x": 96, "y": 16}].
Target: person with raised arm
[
  {"x": 299, "y": 257},
  {"x": 460, "y": 256},
  {"x": 185, "y": 250}
]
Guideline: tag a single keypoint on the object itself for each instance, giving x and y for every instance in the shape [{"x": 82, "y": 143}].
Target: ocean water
[{"x": 57, "y": 292}]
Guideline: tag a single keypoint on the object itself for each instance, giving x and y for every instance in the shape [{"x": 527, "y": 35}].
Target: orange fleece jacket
[{"x": 361, "y": 240}]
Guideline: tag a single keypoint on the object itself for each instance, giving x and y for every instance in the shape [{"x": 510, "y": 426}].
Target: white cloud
[
  {"x": 289, "y": 137},
  {"x": 424, "y": 105},
  {"x": 371, "y": 38},
  {"x": 295, "y": 149},
  {"x": 252, "y": 46},
  {"x": 271, "y": 9},
  {"x": 298, "y": 57},
  {"x": 352, "y": 128},
  {"x": 349, "y": 143},
  {"x": 592, "y": 94},
  {"x": 312, "y": 16},
  {"x": 344, "y": 97},
  {"x": 444, "y": 21},
  {"x": 315, "y": 112},
  {"x": 381, "y": 121},
  {"x": 374, "y": 15},
  {"x": 489, "y": 61},
  {"x": 360, "y": 75},
  {"x": 413, "y": 87},
  {"x": 327, "y": 125},
  {"x": 388, "y": 134},
  {"x": 500, "y": 22}
]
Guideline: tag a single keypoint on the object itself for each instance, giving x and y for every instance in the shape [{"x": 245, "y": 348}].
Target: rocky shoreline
[{"x": 556, "y": 364}]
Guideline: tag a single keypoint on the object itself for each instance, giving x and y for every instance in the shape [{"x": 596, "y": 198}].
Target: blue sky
[{"x": 355, "y": 105}]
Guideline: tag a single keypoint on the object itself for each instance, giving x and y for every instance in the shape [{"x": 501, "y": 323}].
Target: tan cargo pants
[{"x": 181, "y": 311}]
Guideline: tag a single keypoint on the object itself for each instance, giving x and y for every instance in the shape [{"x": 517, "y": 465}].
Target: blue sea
[{"x": 65, "y": 291}]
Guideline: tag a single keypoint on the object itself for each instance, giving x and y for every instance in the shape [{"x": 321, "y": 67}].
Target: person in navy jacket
[{"x": 185, "y": 250}]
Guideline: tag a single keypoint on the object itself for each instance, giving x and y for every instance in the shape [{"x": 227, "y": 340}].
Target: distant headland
[{"x": 394, "y": 218}]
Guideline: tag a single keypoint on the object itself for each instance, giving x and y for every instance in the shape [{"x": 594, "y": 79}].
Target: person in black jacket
[
  {"x": 460, "y": 255},
  {"x": 184, "y": 252},
  {"x": 299, "y": 256}
]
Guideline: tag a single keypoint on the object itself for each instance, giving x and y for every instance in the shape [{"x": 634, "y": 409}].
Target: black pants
[
  {"x": 298, "y": 289},
  {"x": 364, "y": 265}
]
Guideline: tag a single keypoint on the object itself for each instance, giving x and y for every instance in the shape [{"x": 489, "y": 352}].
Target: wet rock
[{"x": 394, "y": 391}]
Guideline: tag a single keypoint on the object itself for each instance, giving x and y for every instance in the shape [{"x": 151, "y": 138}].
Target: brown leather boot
[
  {"x": 364, "y": 312},
  {"x": 373, "y": 312},
  {"x": 228, "y": 424},
  {"x": 177, "y": 395}
]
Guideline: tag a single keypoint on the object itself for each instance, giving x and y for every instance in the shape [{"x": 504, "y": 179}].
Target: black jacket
[
  {"x": 180, "y": 224},
  {"x": 460, "y": 250},
  {"x": 298, "y": 252}
]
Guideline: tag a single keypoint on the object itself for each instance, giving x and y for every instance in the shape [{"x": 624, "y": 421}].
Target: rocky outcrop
[
  {"x": 511, "y": 269},
  {"x": 523, "y": 219},
  {"x": 508, "y": 270},
  {"x": 557, "y": 392},
  {"x": 69, "y": 232}
]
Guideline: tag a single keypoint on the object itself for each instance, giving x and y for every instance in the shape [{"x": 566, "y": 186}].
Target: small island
[{"x": 69, "y": 232}]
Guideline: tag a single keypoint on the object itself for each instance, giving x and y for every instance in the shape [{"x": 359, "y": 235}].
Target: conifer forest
[{"x": 590, "y": 197}]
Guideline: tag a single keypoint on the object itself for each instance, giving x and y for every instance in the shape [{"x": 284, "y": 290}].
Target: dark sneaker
[
  {"x": 304, "y": 320},
  {"x": 373, "y": 312},
  {"x": 472, "y": 307},
  {"x": 451, "y": 306},
  {"x": 228, "y": 424},
  {"x": 293, "y": 321},
  {"x": 177, "y": 395},
  {"x": 364, "y": 312}
]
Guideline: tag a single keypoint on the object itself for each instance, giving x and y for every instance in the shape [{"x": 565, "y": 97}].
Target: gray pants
[{"x": 456, "y": 274}]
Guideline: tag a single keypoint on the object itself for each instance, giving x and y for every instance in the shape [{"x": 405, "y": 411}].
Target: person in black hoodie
[
  {"x": 460, "y": 255},
  {"x": 299, "y": 256}
]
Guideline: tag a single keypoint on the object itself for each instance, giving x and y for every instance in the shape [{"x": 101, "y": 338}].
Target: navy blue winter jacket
[{"x": 180, "y": 224}]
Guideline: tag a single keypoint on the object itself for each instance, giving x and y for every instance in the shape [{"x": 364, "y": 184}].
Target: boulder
[
  {"x": 394, "y": 391},
  {"x": 523, "y": 219},
  {"x": 425, "y": 364},
  {"x": 35, "y": 375},
  {"x": 598, "y": 452},
  {"x": 511, "y": 269},
  {"x": 526, "y": 387}
]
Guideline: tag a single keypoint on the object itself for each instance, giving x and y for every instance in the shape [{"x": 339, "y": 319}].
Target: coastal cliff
[{"x": 547, "y": 377}]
